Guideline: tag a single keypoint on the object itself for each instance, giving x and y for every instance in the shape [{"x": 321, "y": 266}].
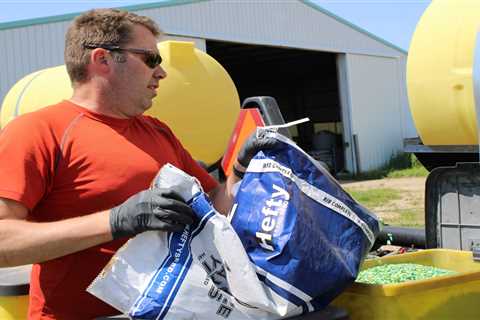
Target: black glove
[
  {"x": 253, "y": 145},
  {"x": 157, "y": 209}
]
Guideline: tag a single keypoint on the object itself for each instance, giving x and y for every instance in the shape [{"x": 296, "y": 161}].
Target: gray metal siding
[
  {"x": 345, "y": 105},
  {"x": 409, "y": 130},
  {"x": 28, "y": 49},
  {"x": 288, "y": 23},
  {"x": 169, "y": 3},
  {"x": 377, "y": 108}
]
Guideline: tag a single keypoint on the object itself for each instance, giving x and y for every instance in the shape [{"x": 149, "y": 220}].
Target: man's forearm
[
  {"x": 23, "y": 242},
  {"x": 222, "y": 197}
]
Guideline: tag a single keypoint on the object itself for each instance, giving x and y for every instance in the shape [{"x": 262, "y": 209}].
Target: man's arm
[
  {"x": 23, "y": 242},
  {"x": 222, "y": 196}
]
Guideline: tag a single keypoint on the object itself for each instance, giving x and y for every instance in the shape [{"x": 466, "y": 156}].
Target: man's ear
[{"x": 100, "y": 59}]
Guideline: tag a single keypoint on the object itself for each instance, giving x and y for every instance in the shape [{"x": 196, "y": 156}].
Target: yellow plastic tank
[
  {"x": 197, "y": 99},
  {"x": 439, "y": 73}
]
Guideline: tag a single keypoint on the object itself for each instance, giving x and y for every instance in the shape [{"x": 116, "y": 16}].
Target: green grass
[
  {"x": 414, "y": 218},
  {"x": 381, "y": 198},
  {"x": 399, "y": 166},
  {"x": 374, "y": 197},
  {"x": 408, "y": 172}
]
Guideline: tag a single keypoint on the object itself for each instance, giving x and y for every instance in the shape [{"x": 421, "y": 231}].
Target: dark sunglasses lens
[{"x": 153, "y": 60}]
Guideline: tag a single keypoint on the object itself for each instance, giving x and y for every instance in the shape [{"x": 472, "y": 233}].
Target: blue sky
[{"x": 392, "y": 20}]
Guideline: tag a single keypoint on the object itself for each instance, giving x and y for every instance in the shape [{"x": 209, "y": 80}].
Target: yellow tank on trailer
[
  {"x": 197, "y": 99},
  {"x": 440, "y": 73}
]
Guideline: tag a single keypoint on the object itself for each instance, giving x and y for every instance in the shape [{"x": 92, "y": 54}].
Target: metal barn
[{"x": 349, "y": 82}]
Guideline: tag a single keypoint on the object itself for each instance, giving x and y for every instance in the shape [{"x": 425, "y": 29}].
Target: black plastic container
[{"x": 452, "y": 207}]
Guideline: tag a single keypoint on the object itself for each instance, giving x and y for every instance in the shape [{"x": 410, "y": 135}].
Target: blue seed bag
[
  {"x": 306, "y": 236},
  {"x": 294, "y": 241}
]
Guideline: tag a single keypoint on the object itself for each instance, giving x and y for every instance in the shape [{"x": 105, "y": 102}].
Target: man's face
[{"x": 134, "y": 84}]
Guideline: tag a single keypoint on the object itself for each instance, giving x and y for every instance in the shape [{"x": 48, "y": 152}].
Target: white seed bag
[{"x": 200, "y": 273}]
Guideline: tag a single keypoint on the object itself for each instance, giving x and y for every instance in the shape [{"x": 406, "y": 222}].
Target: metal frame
[{"x": 415, "y": 145}]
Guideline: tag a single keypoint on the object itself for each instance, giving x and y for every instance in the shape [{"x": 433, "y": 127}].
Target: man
[{"x": 75, "y": 175}]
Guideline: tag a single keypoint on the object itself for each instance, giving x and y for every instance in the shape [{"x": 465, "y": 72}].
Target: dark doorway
[{"x": 303, "y": 82}]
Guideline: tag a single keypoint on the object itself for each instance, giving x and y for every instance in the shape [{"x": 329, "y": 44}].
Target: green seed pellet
[{"x": 398, "y": 273}]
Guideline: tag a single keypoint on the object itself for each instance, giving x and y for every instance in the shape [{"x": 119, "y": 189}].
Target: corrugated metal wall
[
  {"x": 377, "y": 112},
  {"x": 409, "y": 130},
  {"x": 345, "y": 105},
  {"x": 278, "y": 23},
  {"x": 28, "y": 49}
]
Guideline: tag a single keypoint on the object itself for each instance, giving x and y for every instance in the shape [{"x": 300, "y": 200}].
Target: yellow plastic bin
[
  {"x": 447, "y": 297},
  {"x": 14, "y": 286}
]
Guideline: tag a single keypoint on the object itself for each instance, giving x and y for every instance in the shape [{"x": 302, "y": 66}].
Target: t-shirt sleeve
[
  {"x": 25, "y": 161},
  {"x": 191, "y": 166}
]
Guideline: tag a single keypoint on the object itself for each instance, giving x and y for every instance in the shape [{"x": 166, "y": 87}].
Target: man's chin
[{"x": 147, "y": 105}]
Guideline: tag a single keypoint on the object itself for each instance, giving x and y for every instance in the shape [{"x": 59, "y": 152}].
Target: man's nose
[{"x": 159, "y": 73}]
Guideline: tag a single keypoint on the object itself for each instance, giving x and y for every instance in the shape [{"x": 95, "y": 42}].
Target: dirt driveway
[{"x": 408, "y": 210}]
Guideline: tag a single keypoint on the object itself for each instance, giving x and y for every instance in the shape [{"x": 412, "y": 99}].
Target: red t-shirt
[{"x": 64, "y": 161}]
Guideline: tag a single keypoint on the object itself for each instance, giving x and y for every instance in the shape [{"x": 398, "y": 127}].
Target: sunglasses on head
[{"x": 150, "y": 58}]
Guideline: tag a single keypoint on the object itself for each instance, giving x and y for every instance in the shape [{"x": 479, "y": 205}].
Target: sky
[{"x": 391, "y": 20}]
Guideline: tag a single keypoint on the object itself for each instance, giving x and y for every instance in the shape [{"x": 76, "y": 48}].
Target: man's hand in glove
[
  {"x": 250, "y": 148},
  {"x": 157, "y": 209}
]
